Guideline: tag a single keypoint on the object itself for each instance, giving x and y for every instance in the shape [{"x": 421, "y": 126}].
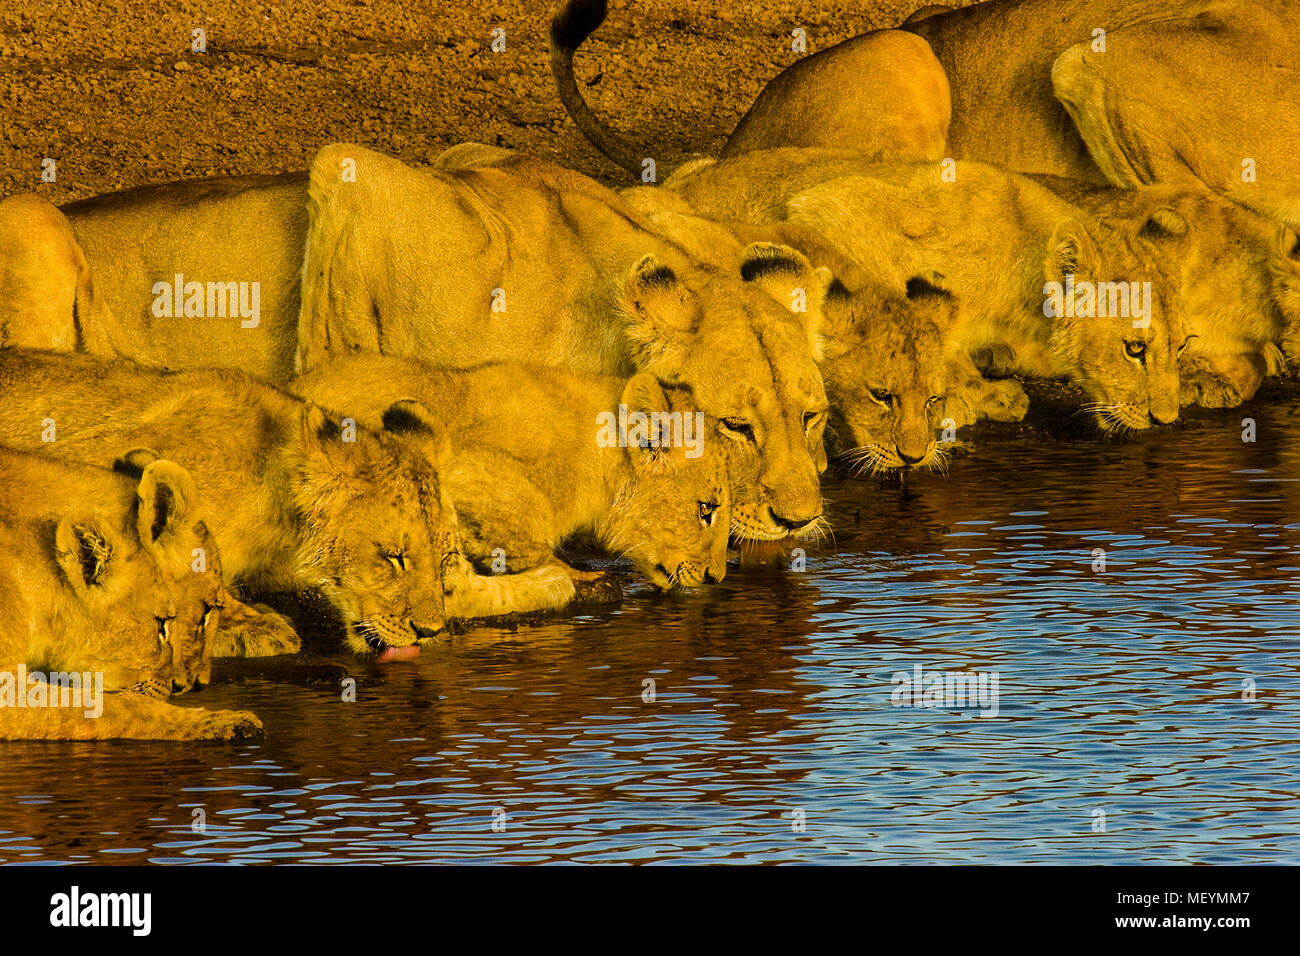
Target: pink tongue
[{"x": 406, "y": 653}]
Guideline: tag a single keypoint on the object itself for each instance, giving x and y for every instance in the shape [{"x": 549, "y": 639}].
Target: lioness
[
  {"x": 83, "y": 595},
  {"x": 1009, "y": 249},
  {"x": 523, "y": 260},
  {"x": 541, "y": 454},
  {"x": 1238, "y": 274},
  {"x": 306, "y": 501},
  {"x": 1158, "y": 90},
  {"x": 168, "y": 525}
]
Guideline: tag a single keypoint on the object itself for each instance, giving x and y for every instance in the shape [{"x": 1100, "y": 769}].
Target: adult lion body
[
  {"x": 83, "y": 593},
  {"x": 1185, "y": 89},
  {"x": 997, "y": 240},
  {"x": 903, "y": 112},
  {"x": 540, "y": 455}
]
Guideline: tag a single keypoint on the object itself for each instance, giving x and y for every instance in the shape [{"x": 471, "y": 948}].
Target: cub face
[
  {"x": 377, "y": 528},
  {"x": 170, "y": 527},
  {"x": 672, "y": 519},
  {"x": 117, "y": 612},
  {"x": 745, "y": 346},
  {"x": 886, "y": 372},
  {"x": 1124, "y": 357}
]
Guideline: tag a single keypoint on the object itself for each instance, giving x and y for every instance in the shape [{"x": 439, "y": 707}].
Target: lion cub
[
  {"x": 94, "y": 634},
  {"x": 301, "y": 499},
  {"x": 542, "y": 453}
]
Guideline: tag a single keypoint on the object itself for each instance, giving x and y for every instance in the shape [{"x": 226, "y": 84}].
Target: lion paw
[
  {"x": 229, "y": 725},
  {"x": 266, "y": 635},
  {"x": 1209, "y": 389},
  {"x": 1004, "y": 401},
  {"x": 596, "y": 587}
]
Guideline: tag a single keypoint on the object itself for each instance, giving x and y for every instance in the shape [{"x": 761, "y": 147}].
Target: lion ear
[
  {"x": 133, "y": 463},
  {"x": 839, "y": 320},
  {"x": 322, "y": 438},
  {"x": 786, "y": 275},
  {"x": 1071, "y": 251},
  {"x": 644, "y": 397},
  {"x": 166, "y": 501},
  {"x": 1165, "y": 224},
  {"x": 659, "y": 309},
  {"x": 929, "y": 288},
  {"x": 416, "y": 424},
  {"x": 1288, "y": 245},
  {"x": 85, "y": 546}
]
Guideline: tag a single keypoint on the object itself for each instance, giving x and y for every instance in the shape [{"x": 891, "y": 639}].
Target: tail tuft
[{"x": 576, "y": 21}]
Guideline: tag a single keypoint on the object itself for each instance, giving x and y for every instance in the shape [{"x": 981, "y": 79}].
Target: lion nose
[
  {"x": 1164, "y": 416},
  {"x": 424, "y": 630},
  {"x": 908, "y": 459}
]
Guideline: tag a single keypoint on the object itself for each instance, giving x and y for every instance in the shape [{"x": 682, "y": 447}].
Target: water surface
[{"x": 1125, "y": 696}]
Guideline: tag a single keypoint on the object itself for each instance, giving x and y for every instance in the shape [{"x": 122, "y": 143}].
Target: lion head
[
  {"x": 1118, "y": 326},
  {"x": 672, "y": 516},
  {"x": 746, "y": 352},
  {"x": 111, "y": 610},
  {"x": 170, "y": 527},
  {"x": 886, "y": 371},
  {"x": 375, "y": 531}
]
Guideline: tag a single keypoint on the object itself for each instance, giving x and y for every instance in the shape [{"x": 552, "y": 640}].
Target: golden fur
[
  {"x": 904, "y": 112},
  {"x": 1238, "y": 275},
  {"x": 996, "y": 239},
  {"x": 411, "y": 262},
  {"x": 88, "y": 583},
  {"x": 306, "y": 502},
  {"x": 528, "y": 469}
]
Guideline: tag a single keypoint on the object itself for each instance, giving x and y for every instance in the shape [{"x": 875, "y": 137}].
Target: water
[{"x": 772, "y": 735}]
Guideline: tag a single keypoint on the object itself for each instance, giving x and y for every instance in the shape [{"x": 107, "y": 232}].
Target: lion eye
[
  {"x": 881, "y": 395},
  {"x": 396, "y": 558},
  {"x": 740, "y": 427},
  {"x": 810, "y": 419},
  {"x": 1136, "y": 349},
  {"x": 929, "y": 402},
  {"x": 164, "y": 629},
  {"x": 1186, "y": 342},
  {"x": 707, "y": 510}
]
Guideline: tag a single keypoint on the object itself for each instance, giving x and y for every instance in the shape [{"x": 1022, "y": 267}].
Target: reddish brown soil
[{"x": 112, "y": 92}]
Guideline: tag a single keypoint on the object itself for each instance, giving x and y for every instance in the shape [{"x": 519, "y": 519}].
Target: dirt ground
[{"x": 113, "y": 93}]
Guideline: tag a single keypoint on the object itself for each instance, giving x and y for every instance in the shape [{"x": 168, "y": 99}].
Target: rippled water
[{"x": 773, "y": 735}]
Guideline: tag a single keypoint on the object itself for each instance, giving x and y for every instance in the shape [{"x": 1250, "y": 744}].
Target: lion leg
[
  {"x": 126, "y": 716},
  {"x": 972, "y": 397},
  {"x": 550, "y": 586},
  {"x": 253, "y": 632},
  {"x": 47, "y": 294}
]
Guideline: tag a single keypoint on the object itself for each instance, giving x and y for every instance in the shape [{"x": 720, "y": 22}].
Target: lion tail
[{"x": 572, "y": 24}]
